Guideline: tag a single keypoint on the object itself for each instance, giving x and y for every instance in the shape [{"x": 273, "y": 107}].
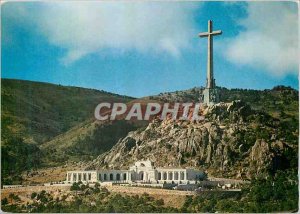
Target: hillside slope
[
  {"x": 91, "y": 138},
  {"x": 39, "y": 111},
  {"x": 33, "y": 113},
  {"x": 236, "y": 139},
  {"x": 281, "y": 101},
  {"x": 85, "y": 141},
  {"x": 48, "y": 125}
]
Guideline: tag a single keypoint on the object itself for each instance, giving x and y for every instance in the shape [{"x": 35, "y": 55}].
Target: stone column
[
  {"x": 129, "y": 176},
  {"x": 182, "y": 173}
]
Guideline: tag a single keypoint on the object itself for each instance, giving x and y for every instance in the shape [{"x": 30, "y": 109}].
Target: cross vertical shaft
[
  {"x": 210, "y": 68},
  {"x": 210, "y": 81}
]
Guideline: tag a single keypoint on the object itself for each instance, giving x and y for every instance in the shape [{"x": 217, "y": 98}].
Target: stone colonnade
[
  {"x": 98, "y": 176},
  {"x": 172, "y": 175},
  {"x": 79, "y": 176},
  {"x": 118, "y": 175},
  {"x": 114, "y": 176}
]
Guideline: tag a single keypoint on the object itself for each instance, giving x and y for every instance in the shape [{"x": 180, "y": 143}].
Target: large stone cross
[{"x": 210, "y": 81}]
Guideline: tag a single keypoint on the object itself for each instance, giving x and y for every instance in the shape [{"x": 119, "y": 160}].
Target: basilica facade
[{"x": 141, "y": 171}]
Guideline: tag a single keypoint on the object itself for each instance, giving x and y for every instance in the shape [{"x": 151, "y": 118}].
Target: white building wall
[
  {"x": 113, "y": 175},
  {"x": 84, "y": 176},
  {"x": 142, "y": 171}
]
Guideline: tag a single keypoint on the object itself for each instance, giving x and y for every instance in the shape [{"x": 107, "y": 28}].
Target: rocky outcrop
[{"x": 226, "y": 143}]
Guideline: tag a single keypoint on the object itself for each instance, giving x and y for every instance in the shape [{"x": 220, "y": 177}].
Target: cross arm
[
  {"x": 203, "y": 34},
  {"x": 217, "y": 32}
]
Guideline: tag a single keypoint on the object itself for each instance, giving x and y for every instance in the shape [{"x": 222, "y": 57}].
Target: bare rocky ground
[{"x": 233, "y": 141}]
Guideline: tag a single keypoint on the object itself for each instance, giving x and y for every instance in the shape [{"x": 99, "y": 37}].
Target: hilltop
[
  {"x": 47, "y": 125},
  {"x": 33, "y": 113},
  {"x": 233, "y": 141},
  {"x": 240, "y": 139},
  {"x": 278, "y": 101},
  {"x": 39, "y": 111}
]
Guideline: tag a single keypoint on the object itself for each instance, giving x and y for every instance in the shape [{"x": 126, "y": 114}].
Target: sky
[{"x": 144, "y": 48}]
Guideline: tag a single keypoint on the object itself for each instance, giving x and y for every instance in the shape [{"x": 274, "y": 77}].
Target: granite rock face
[{"x": 226, "y": 143}]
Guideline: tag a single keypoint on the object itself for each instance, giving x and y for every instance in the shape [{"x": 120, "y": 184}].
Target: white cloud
[
  {"x": 269, "y": 40},
  {"x": 85, "y": 28}
]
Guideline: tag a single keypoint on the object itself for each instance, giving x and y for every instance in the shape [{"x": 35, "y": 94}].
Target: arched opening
[
  {"x": 118, "y": 177},
  {"x": 124, "y": 177},
  {"x": 89, "y": 176},
  {"x": 105, "y": 177},
  {"x": 84, "y": 176},
  {"x": 159, "y": 176},
  {"x": 141, "y": 175},
  {"x": 111, "y": 177},
  {"x": 181, "y": 175},
  {"x": 79, "y": 177},
  {"x": 100, "y": 178},
  {"x": 165, "y": 176},
  {"x": 176, "y": 177},
  {"x": 170, "y": 175}
]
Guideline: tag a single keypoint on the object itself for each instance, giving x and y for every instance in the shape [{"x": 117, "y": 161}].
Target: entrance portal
[{"x": 141, "y": 175}]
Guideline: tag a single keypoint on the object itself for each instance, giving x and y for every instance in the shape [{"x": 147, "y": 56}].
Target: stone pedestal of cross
[{"x": 210, "y": 93}]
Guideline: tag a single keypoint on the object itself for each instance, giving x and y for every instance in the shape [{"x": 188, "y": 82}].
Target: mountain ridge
[
  {"x": 33, "y": 113},
  {"x": 230, "y": 142},
  {"x": 47, "y": 120}
]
